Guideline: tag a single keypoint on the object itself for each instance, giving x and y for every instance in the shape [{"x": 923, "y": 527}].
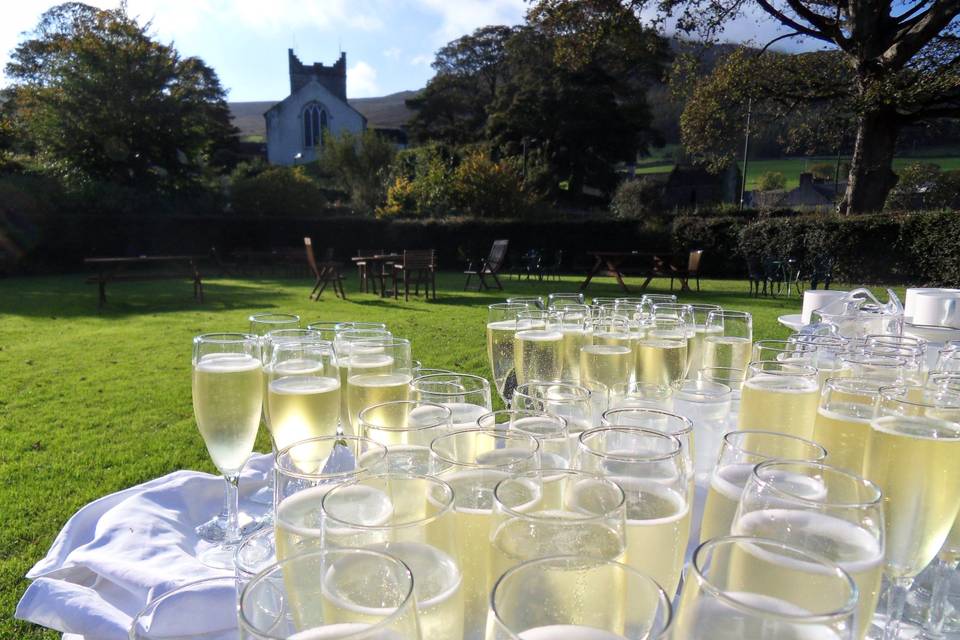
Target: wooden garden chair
[
  {"x": 684, "y": 273},
  {"x": 421, "y": 267},
  {"x": 326, "y": 272},
  {"x": 490, "y": 266}
]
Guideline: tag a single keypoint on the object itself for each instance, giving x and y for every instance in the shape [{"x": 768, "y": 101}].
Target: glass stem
[
  {"x": 232, "y": 495},
  {"x": 896, "y": 600},
  {"x": 937, "y": 613}
]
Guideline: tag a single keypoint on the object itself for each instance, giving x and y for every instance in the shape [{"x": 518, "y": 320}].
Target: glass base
[
  {"x": 214, "y": 529},
  {"x": 219, "y": 556}
]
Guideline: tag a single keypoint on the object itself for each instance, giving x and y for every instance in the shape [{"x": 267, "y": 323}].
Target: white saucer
[{"x": 792, "y": 321}]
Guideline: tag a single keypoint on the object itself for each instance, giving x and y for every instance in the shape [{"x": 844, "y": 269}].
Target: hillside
[{"x": 386, "y": 111}]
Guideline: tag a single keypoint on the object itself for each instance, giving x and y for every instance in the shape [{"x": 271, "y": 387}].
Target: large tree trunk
[{"x": 871, "y": 168}]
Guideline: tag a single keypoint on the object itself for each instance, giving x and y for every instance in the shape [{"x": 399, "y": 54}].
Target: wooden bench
[{"x": 113, "y": 269}]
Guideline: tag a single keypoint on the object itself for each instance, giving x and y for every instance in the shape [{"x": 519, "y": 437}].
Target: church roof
[{"x": 315, "y": 83}]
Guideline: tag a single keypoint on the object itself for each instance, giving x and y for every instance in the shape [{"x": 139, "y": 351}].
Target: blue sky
[{"x": 389, "y": 43}]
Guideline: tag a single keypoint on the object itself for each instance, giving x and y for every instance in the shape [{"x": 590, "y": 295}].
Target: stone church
[{"x": 317, "y": 106}]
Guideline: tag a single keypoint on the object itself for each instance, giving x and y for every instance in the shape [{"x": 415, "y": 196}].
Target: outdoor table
[
  {"x": 610, "y": 263},
  {"x": 376, "y": 265},
  {"x": 114, "y": 269}
]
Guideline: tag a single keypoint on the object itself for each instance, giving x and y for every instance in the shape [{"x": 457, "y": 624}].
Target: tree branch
[
  {"x": 825, "y": 25},
  {"x": 793, "y": 24},
  {"x": 911, "y": 39}
]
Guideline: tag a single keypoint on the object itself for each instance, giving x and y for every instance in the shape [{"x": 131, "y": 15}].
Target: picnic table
[
  {"x": 618, "y": 264},
  {"x": 376, "y": 266},
  {"x": 115, "y": 269}
]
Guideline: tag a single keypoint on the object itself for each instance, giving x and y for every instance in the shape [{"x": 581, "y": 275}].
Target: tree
[
  {"x": 96, "y": 96},
  {"x": 771, "y": 181},
  {"x": 453, "y": 106},
  {"x": 902, "y": 61},
  {"x": 359, "y": 166}
]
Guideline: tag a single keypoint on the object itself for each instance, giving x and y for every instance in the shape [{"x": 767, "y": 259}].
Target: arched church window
[{"x": 314, "y": 122}]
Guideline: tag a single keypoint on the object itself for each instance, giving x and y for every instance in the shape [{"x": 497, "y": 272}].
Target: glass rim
[
  {"x": 262, "y": 533},
  {"x": 817, "y": 341},
  {"x": 540, "y": 473},
  {"x": 861, "y": 385},
  {"x": 884, "y": 337},
  {"x": 812, "y": 618},
  {"x": 791, "y": 345},
  {"x": 679, "y": 389},
  {"x": 294, "y": 333},
  {"x": 669, "y": 415},
  {"x": 528, "y": 413},
  {"x": 263, "y": 575},
  {"x": 508, "y": 306},
  {"x": 510, "y": 300},
  {"x": 759, "y": 366},
  {"x": 495, "y": 433},
  {"x": 874, "y": 359},
  {"x": 860, "y": 481},
  {"x": 155, "y": 601},
  {"x": 361, "y": 325},
  {"x": 292, "y": 473},
  {"x": 354, "y": 335},
  {"x": 569, "y": 385},
  {"x": 432, "y": 377},
  {"x": 268, "y": 317},
  {"x": 226, "y": 337},
  {"x": 385, "y": 341},
  {"x": 638, "y": 386},
  {"x": 565, "y": 294},
  {"x": 887, "y": 392},
  {"x": 575, "y": 561},
  {"x": 728, "y": 441},
  {"x": 730, "y": 313},
  {"x": 659, "y": 457},
  {"x": 447, "y": 507},
  {"x": 416, "y": 403}
]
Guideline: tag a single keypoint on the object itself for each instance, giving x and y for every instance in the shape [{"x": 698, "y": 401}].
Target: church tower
[{"x": 334, "y": 77}]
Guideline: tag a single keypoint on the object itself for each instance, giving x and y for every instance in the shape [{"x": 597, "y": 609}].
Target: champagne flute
[
  {"x": 843, "y": 419},
  {"x": 227, "y": 400},
  {"x": 347, "y": 594},
  {"x": 684, "y": 313},
  {"x": 343, "y": 347},
  {"x": 501, "y": 327},
  {"x": 467, "y": 396},
  {"x": 411, "y": 518},
  {"x": 263, "y": 323},
  {"x": 550, "y": 430},
  {"x": 576, "y": 324},
  {"x": 584, "y": 516},
  {"x": 473, "y": 461},
  {"x": 728, "y": 336},
  {"x": 739, "y": 453},
  {"x": 406, "y": 428},
  {"x": 823, "y": 509},
  {"x": 912, "y": 454},
  {"x": 779, "y": 396},
  {"x": 379, "y": 370},
  {"x": 303, "y": 391},
  {"x": 650, "y": 468},
  {"x": 556, "y": 300},
  {"x": 701, "y": 313},
  {"x": 538, "y": 347},
  {"x": 577, "y": 597},
  {"x": 574, "y": 403},
  {"x": 661, "y": 354},
  {"x": 740, "y": 588}
]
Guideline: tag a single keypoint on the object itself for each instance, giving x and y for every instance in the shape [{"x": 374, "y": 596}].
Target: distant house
[
  {"x": 691, "y": 186},
  {"x": 317, "y": 106}
]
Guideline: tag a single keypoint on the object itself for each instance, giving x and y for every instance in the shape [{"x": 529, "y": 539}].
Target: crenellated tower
[{"x": 333, "y": 77}]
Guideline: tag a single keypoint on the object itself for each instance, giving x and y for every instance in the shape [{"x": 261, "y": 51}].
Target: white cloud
[
  {"x": 423, "y": 59},
  {"x": 362, "y": 81},
  {"x": 393, "y": 53},
  {"x": 464, "y": 16}
]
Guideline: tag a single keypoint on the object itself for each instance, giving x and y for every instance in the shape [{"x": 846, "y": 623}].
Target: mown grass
[
  {"x": 92, "y": 402},
  {"x": 791, "y": 168}
]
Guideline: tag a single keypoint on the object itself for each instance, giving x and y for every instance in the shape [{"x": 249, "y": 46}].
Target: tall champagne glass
[
  {"x": 227, "y": 401},
  {"x": 649, "y": 466},
  {"x": 379, "y": 370},
  {"x": 662, "y": 352},
  {"x": 263, "y": 323},
  {"x": 728, "y": 339},
  {"x": 343, "y": 346},
  {"x": 303, "y": 391},
  {"x": 843, "y": 419},
  {"x": 473, "y": 461},
  {"x": 685, "y": 314},
  {"x": 740, "y": 587},
  {"x": 584, "y": 516},
  {"x": 912, "y": 454},
  {"x": 701, "y": 313},
  {"x": 538, "y": 347},
  {"x": 346, "y": 593},
  {"x": 406, "y": 428},
  {"x": 576, "y": 324},
  {"x": 501, "y": 327},
  {"x": 467, "y": 396},
  {"x": 823, "y": 509},
  {"x": 739, "y": 453},
  {"x": 574, "y": 597},
  {"x": 410, "y": 517},
  {"x": 779, "y": 396}
]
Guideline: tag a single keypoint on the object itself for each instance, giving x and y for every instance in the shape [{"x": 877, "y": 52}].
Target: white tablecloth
[{"x": 117, "y": 552}]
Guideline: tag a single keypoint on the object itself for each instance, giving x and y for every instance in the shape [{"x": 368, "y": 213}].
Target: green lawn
[
  {"x": 93, "y": 402},
  {"x": 791, "y": 168}
]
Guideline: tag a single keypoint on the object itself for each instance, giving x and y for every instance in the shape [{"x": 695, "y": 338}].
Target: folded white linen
[{"x": 124, "y": 549}]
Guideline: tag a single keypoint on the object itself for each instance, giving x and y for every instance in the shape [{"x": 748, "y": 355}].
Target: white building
[{"x": 317, "y": 105}]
